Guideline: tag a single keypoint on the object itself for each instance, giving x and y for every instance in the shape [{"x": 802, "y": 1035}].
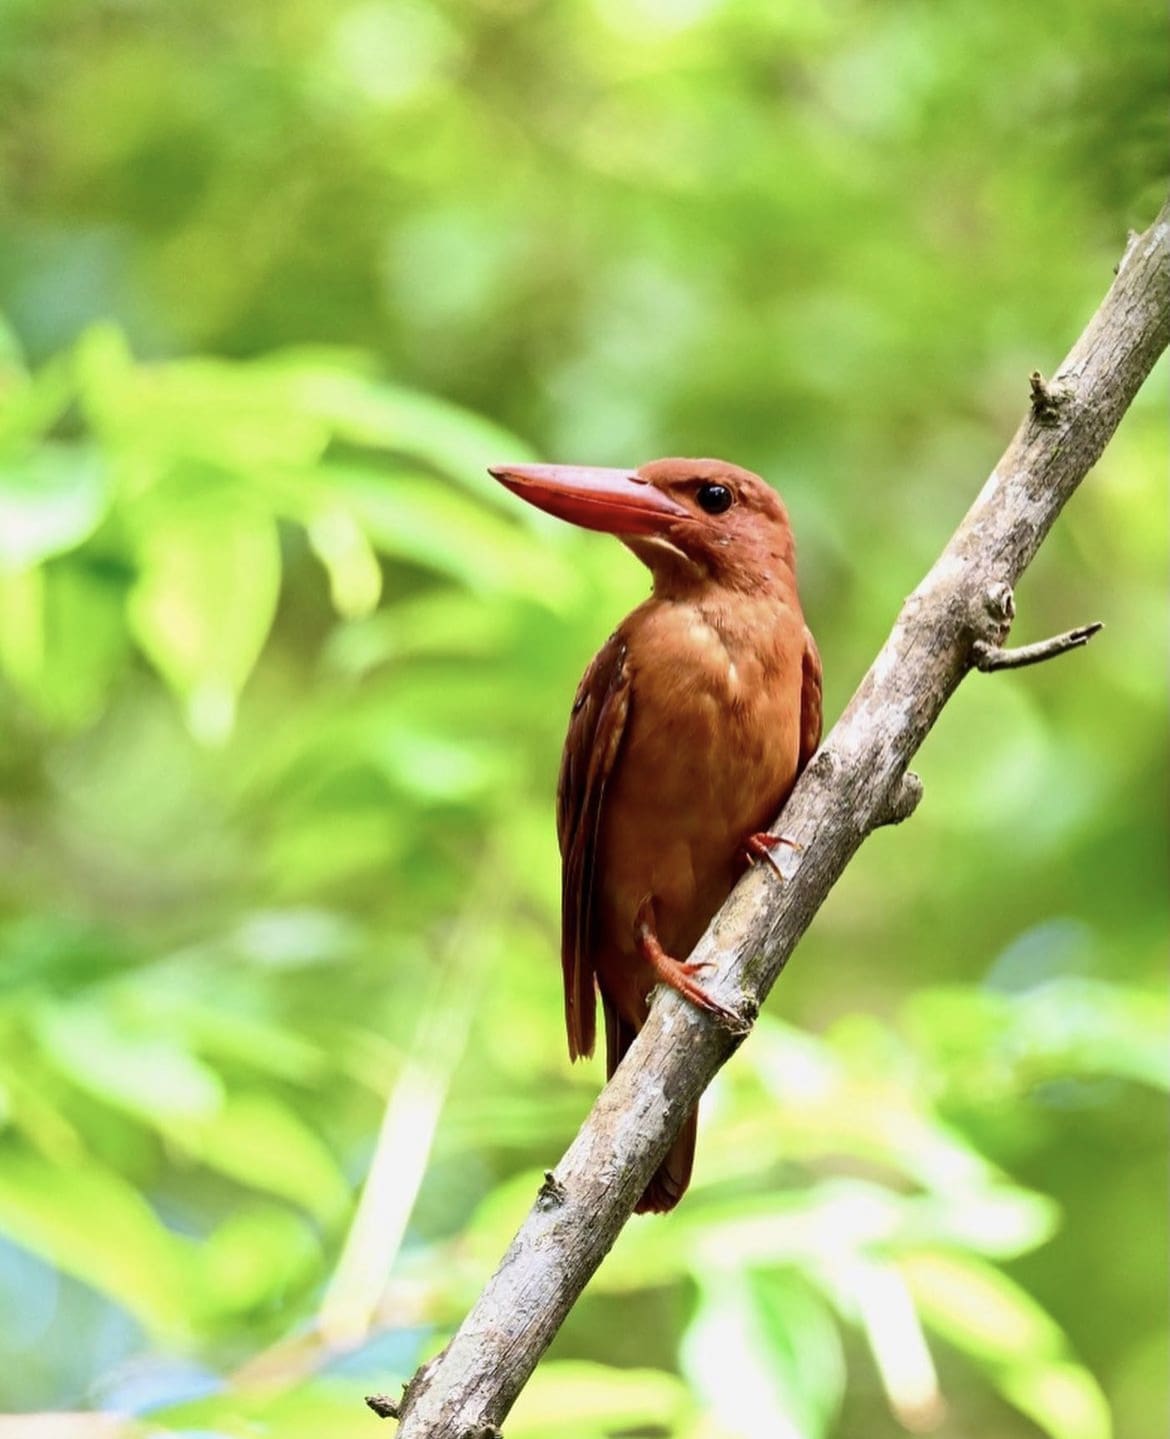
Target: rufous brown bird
[{"x": 687, "y": 733}]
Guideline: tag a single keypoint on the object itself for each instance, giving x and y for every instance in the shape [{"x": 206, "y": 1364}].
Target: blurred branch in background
[
  {"x": 357, "y": 1289},
  {"x": 851, "y": 787}
]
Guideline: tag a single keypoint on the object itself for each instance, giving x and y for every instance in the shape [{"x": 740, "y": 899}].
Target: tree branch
[
  {"x": 994, "y": 657},
  {"x": 857, "y": 781}
]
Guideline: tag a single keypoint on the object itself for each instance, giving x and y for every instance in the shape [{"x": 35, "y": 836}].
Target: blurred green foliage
[{"x": 283, "y": 681}]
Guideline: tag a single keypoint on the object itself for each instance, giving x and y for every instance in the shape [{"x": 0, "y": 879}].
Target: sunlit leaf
[
  {"x": 1060, "y": 1027},
  {"x": 51, "y": 499},
  {"x": 226, "y": 414},
  {"x": 403, "y": 422},
  {"x": 204, "y": 601},
  {"x": 30, "y": 404},
  {"x": 1064, "y": 1400},
  {"x": 877, "y": 1296},
  {"x": 765, "y": 1357},
  {"x": 355, "y": 581},
  {"x": 22, "y": 628},
  {"x": 980, "y": 1308},
  {"x": 143, "y": 1073},
  {"x": 1001, "y": 1221},
  {"x": 62, "y": 638},
  {"x": 426, "y": 522}
]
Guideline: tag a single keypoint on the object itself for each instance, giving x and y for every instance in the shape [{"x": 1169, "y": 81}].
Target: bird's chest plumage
[{"x": 710, "y": 753}]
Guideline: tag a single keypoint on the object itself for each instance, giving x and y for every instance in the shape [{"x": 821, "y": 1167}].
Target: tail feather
[{"x": 669, "y": 1181}]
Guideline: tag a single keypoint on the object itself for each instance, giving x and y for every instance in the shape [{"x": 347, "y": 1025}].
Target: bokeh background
[{"x": 283, "y": 682}]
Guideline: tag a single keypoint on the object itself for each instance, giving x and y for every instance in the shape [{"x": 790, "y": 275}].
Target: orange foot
[
  {"x": 761, "y": 845},
  {"x": 677, "y": 973}
]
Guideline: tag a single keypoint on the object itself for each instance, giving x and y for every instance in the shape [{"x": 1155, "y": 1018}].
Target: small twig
[
  {"x": 995, "y": 657},
  {"x": 383, "y": 1406},
  {"x": 903, "y": 802}
]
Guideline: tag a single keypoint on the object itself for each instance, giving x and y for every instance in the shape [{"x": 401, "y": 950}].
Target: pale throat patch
[{"x": 701, "y": 633}]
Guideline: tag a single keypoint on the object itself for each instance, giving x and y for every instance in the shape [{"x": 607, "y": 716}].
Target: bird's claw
[
  {"x": 676, "y": 973},
  {"x": 760, "y": 846}
]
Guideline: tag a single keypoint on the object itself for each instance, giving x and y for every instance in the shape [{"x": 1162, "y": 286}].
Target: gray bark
[{"x": 954, "y": 621}]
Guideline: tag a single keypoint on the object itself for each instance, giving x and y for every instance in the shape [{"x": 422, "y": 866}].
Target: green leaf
[
  {"x": 253, "y": 1256},
  {"x": 765, "y": 1356},
  {"x": 443, "y": 622},
  {"x": 979, "y": 1308},
  {"x": 224, "y": 414},
  {"x": 62, "y": 637},
  {"x": 426, "y": 522},
  {"x": 997, "y": 1220},
  {"x": 1070, "y": 1027},
  {"x": 140, "y": 1072},
  {"x": 1063, "y": 1399},
  {"x": 29, "y": 405},
  {"x": 51, "y": 499},
  {"x": 205, "y": 598},
  {"x": 261, "y": 1143},
  {"x": 982, "y": 1311},
  {"x": 405, "y": 422},
  {"x": 355, "y": 581}
]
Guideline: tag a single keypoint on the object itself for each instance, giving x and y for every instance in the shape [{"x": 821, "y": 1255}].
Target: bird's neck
[
  {"x": 719, "y": 576},
  {"x": 726, "y": 590}
]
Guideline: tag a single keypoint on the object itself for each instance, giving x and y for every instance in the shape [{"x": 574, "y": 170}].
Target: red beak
[{"x": 619, "y": 502}]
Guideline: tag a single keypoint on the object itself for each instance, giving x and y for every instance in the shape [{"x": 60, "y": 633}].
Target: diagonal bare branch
[{"x": 857, "y": 781}]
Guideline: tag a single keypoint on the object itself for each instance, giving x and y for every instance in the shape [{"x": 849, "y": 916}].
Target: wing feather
[
  {"x": 596, "y": 727},
  {"x": 811, "y": 714}
]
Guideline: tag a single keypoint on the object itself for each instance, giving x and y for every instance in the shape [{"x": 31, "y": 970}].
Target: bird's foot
[
  {"x": 760, "y": 846},
  {"x": 678, "y": 974}
]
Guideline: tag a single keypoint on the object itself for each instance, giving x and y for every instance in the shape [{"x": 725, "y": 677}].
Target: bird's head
[{"x": 690, "y": 521}]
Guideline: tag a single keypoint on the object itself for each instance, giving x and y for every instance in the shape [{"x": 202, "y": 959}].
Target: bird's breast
[{"x": 710, "y": 753}]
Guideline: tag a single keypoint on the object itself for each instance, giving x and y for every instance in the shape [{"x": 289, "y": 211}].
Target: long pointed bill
[{"x": 616, "y": 501}]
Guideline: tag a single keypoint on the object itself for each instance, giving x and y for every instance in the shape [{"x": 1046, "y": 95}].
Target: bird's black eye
[{"x": 714, "y": 498}]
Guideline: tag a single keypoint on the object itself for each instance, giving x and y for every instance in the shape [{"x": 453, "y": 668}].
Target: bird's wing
[
  {"x": 810, "y": 701},
  {"x": 595, "y": 734}
]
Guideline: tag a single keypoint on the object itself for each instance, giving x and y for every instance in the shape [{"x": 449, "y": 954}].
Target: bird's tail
[{"x": 669, "y": 1181}]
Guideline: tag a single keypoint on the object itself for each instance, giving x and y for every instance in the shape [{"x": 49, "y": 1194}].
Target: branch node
[
  {"x": 987, "y": 657},
  {"x": 746, "y": 1012},
  {"x": 902, "y": 802},
  {"x": 999, "y": 610},
  {"x": 552, "y": 1192},
  {"x": 1049, "y": 400},
  {"x": 822, "y": 765},
  {"x": 384, "y": 1407}
]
